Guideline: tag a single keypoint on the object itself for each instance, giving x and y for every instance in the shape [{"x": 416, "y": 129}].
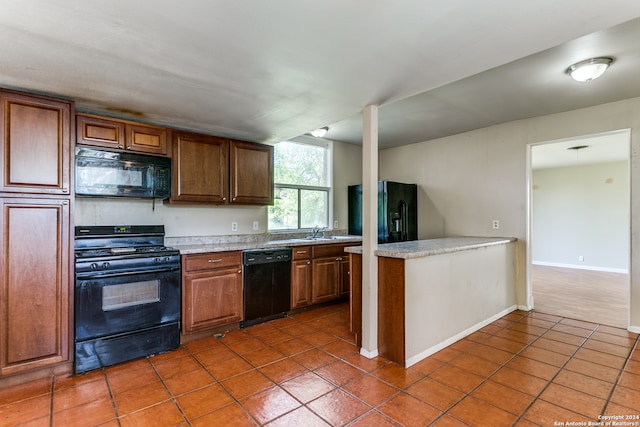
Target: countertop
[
  {"x": 423, "y": 248},
  {"x": 203, "y": 247}
]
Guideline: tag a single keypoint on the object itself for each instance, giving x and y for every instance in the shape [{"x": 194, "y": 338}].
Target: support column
[{"x": 369, "y": 231}]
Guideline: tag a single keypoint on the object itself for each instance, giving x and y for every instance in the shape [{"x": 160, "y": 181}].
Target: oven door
[{"x": 121, "y": 302}]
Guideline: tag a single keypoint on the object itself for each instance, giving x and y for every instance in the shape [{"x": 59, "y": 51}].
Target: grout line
[{"x": 624, "y": 367}]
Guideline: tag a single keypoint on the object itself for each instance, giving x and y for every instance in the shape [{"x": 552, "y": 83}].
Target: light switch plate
[{"x": 256, "y": 225}]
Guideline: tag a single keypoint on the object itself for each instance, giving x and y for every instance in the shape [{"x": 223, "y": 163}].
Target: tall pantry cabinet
[{"x": 35, "y": 226}]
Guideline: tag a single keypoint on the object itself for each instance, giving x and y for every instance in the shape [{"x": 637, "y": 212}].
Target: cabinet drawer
[
  {"x": 212, "y": 260},
  {"x": 301, "y": 252},
  {"x": 329, "y": 250}
]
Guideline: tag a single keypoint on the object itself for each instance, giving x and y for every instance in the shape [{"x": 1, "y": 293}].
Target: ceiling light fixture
[
  {"x": 589, "y": 69},
  {"x": 578, "y": 147},
  {"x": 320, "y": 132}
]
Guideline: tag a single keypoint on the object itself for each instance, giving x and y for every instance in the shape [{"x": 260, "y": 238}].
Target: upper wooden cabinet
[
  {"x": 35, "y": 144},
  {"x": 121, "y": 135},
  {"x": 210, "y": 169},
  {"x": 251, "y": 169},
  {"x": 200, "y": 168}
]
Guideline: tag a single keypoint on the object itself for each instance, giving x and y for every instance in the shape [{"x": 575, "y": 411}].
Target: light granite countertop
[
  {"x": 423, "y": 248},
  {"x": 197, "y": 246}
]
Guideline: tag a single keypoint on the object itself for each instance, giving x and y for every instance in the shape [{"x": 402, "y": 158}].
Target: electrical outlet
[
  {"x": 581, "y": 258},
  {"x": 335, "y": 224},
  {"x": 234, "y": 226},
  {"x": 496, "y": 224},
  {"x": 256, "y": 225}
]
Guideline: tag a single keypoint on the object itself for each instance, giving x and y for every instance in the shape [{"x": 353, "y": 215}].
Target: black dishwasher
[{"x": 266, "y": 284}]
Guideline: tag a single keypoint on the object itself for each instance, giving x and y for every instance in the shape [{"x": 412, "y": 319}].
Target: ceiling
[{"x": 272, "y": 70}]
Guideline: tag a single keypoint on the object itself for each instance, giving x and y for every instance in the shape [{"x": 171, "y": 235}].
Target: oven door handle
[{"x": 89, "y": 276}]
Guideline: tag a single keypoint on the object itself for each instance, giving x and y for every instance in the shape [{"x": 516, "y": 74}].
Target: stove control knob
[
  {"x": 105, "y": 265},
  {"x": 94, "y": 266},
  {"x": 157, "y": 260}
]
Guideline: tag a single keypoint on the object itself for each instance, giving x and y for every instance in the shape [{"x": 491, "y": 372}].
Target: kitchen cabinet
[
  {"x": 200, "y": 168},
  {"x": 35, "y": 272},
  {"x": 301, "y": 277},
  {"x": 35, "y": 154},
  {"x": 251, "y": 172},
  {"x": 121, "y": 135},
  {"x": 35, "y": 233},
  {"x": 213, "y": 170},
  {"x": 211, "y": 290},
  {"x": 329, "y": 270}
]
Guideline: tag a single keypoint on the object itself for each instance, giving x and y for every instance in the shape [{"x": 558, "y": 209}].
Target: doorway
[{"x": 578, "y": 228}]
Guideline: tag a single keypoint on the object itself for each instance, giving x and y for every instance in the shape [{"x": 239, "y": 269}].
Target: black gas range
[{"x": 127, "y": 294}]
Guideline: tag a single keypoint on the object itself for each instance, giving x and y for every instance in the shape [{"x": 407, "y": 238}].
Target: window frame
[{"x": 327, "y": 145}]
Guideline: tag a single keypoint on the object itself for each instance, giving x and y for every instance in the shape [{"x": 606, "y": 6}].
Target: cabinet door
[
  {"x": 35, "y": 274},
  {"x": 251, "y": 173},
  {"x": 211, "y": 299},
  {"x": 326, "y": 276},
  {"x": 146, "y": 139},
  {"x": 35, "y": 144},
  {"x": 99, "y": 132},
  {"x": 344, "y": 275},
  {"x": 300, "y": 283},
  {"x": 200, "y": 171}
]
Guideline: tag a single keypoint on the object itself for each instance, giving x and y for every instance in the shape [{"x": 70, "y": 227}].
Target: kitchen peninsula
[{"x": 434, "y": 292}]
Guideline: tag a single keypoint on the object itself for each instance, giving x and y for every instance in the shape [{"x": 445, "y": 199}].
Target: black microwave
[{"x": 101, "y": 173}]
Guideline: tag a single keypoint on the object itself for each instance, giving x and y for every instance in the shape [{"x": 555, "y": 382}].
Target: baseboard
[
  {"x": 634, "y": 329},
  {"x": 525, "y": 308},
  {"x": 436, "y": 348},
  {"x": 581, "y": 267},
  {"x": 369, "y": 354}
]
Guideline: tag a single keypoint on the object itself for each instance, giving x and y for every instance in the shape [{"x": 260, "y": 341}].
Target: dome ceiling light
[
  {"x": 320, "y": 132},
  {"x": 587, "y": 70}
]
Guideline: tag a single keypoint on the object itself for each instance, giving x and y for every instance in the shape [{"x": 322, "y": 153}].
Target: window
[{"x": 302, "y": 176}]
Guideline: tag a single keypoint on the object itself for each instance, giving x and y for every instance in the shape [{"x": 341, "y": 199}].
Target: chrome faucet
[{"x": 313, "y": 234}]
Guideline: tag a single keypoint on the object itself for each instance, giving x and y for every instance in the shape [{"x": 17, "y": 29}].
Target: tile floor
[{"x": 524, "y": 369}]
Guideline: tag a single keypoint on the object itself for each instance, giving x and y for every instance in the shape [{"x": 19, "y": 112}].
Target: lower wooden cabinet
[
  {"x": 330, "y": 273},
  {"x": 301, "y": 277},
  {"x": 35, "y": 273},
  {"x": 211, "y": 290}
]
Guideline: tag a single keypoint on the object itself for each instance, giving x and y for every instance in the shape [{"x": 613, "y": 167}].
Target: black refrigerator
[{"x": 397, "y": 211}]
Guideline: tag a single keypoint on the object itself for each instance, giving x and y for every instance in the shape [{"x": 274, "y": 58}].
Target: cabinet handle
[
  {"x": 65, "y": 202},
  {"x": 239, "y": 271},
  {"x": 339, "y": 259},
  {"x": 215, "y": 260},
  {"x": 120, "y": 146},
  {"x": 308, "y": 262},
  {"x": 301, "y": 252},
  {"x": 224, "y": 198},
  {"x": 234, "y": 198}
]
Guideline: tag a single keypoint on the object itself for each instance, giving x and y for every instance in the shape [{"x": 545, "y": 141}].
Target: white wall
[
  {"x": 581, "y": 211},
  {"x": 478, "y": 176},
  {"x": 195, "y": 220},
  {"x": 347, "y": 170}
]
